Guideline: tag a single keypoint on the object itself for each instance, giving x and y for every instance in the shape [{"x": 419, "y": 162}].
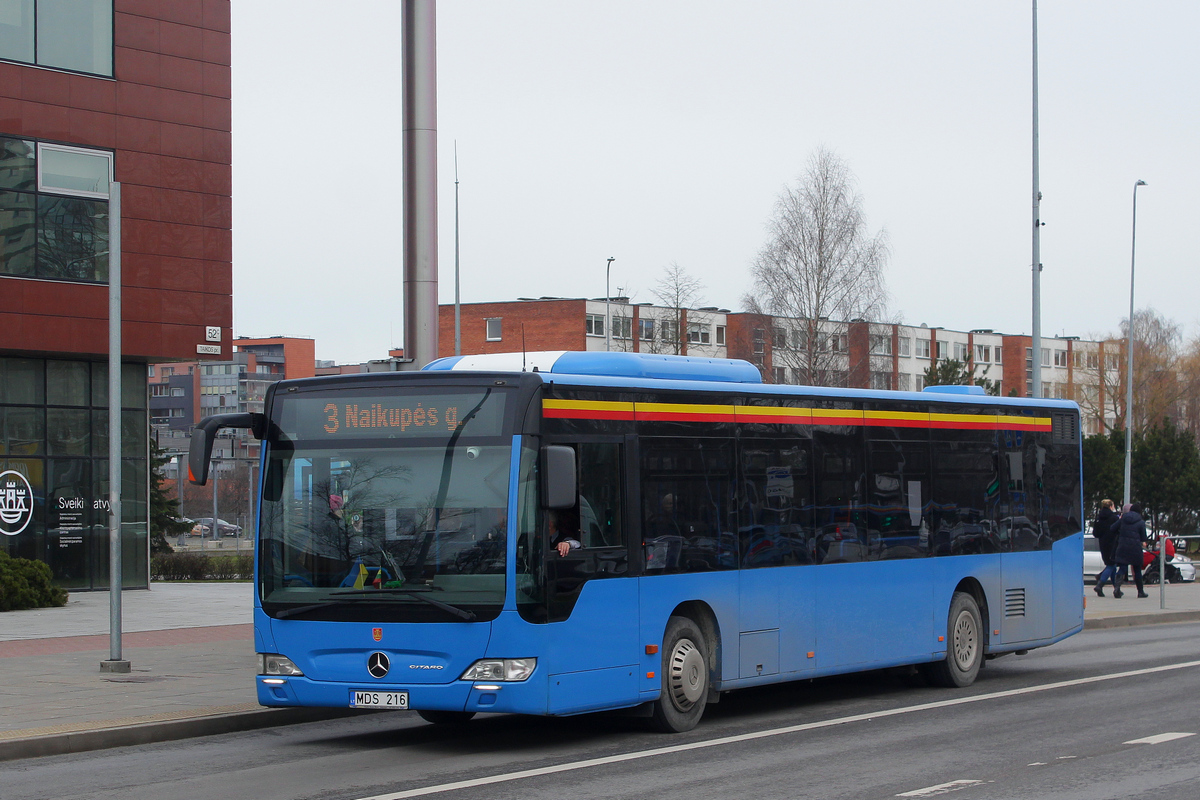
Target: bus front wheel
[
  {"x": 964, "y": 645},
  {"x": 684, "y": 677},
  {"x": 446, "y": 717}
]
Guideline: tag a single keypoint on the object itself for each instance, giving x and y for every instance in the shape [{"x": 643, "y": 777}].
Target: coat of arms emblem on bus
[
  {"x": 16, "y": 503},
  {"x": 377, "y": 634}
]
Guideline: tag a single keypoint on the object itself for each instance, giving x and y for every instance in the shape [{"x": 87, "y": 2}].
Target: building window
[
  {"x": 881, "y": 345},
  {"x": 760, "y": 341},
  {"x": 905, "y": 382},
  {"x": 983, "y": 353},
  {"x": 699, "y": 333},
  {"x": 922, "y": 349},
  {"x": 65, "y": 34},
  {"x": 961, "y": 352},
  {"x": 918, "y": 383},
  {"x": 941, "y": 350},
  {"x": 159, "y": 390},
  {"x": 493, "y": 329},
  {"x": 646, "y": 330},
  {"x": 720, "y": 335},
  {"x": 997, "y": 353},
  {"x": 622, "y": 327},
  {"x": 670, "y": 330},
  {"x": 176, "y": 412},
  {"x": 781, "y": 374},
  {"x": 1060, "y": 358},
  {"x": 779, "y": 340},
  {"x": 831, "y": 343},
  {"x": 881, "y": 381},
  {"x": 1045, "y": 356},
  {"x": 594, "y": 325},
  {"x": 1112, "y": 361},
  {"x": 177, "y": 391},
  {"x": 1093, "y": 360},
  {"x": 53, "y": 211},
  {"x": 905, "y": 346}
]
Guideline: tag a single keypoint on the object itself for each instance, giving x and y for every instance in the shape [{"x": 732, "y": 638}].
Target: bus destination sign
[{"x": 393, "y": 415}]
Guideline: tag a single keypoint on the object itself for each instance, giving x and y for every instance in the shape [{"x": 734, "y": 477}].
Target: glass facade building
[{"x": 54, "y": 435}]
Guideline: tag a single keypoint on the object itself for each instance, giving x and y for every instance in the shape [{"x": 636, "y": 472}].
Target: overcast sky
[{"x": 659, "y": 132}]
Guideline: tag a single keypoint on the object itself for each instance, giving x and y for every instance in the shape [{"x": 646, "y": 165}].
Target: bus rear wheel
[
  {"x": 684, "y": 677},
  {"x": 964, "y": 645},
  {"x": 446, "y": 717}
]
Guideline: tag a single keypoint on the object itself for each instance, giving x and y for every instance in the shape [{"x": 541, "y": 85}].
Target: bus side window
[{"x": 600, "y": 512}]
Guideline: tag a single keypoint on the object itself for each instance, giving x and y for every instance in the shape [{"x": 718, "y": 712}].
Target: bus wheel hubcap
[
  {"x": 965, "y": 641},
  {"x": 687, "y": 674}
]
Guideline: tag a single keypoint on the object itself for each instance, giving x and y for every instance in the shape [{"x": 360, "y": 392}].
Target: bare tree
[
  {"x": 678, "y": 290},
  {"x": 820, "y": 264},
  {"x": 1164, "y": 374}
]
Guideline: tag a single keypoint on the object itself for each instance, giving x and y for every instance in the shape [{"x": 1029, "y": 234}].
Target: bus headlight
[
  {"x": 274, "y": 664},
  {"x": 500, "y": 669}
]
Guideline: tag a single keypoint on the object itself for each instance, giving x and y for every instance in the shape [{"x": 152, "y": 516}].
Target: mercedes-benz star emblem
[{"x": 378, "y": 665}]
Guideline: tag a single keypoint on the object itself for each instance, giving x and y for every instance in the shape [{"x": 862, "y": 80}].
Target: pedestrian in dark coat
[
  {"x": 1131, "y": 532},
  {"x": 1102, "y": 529}
]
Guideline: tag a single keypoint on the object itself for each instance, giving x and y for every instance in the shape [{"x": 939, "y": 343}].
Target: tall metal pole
[
  {"x": 216, "y": 533},
  {"x": 1129, "y": 361},
  {"x": 607, "y": 316},
  {"x": 420, "y": 184},
  {"x": 114, "y": 663},
  {"x": 1036, "y": 361},
  {"x": 457, "y": 299}
]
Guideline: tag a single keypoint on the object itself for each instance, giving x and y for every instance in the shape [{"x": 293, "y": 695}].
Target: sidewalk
[{"x": 191, "y": 647}]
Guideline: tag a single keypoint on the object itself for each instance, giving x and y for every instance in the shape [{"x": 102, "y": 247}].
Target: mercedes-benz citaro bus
[{"x": 565, "y": 532}]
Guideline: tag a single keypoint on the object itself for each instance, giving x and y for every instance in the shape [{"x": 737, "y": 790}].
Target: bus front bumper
[{"x": 524, "y": 697}]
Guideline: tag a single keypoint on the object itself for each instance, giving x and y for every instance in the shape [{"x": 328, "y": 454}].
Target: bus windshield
[{"x": 373, "y": 524}]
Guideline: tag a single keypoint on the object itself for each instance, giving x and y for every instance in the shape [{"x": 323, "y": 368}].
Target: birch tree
[{"x": 820, "y": 267}]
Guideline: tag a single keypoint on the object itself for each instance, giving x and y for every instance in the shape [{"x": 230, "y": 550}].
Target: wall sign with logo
[{"x": 16, "y": 502}]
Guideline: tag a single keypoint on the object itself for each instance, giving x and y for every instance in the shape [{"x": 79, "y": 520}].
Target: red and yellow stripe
[{"x": 779, "y": 415}]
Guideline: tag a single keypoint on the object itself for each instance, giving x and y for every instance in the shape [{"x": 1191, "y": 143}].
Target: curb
[
  {"x": 1130, "y": 620},
  {"x": 153, "y": 732}
]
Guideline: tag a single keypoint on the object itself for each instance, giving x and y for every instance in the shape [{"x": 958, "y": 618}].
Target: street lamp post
[
  {"x": 607, "y": 297},
  {"x": 1129, "y": 357}
]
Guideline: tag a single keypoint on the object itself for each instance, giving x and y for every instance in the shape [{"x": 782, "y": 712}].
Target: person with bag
[
  {"x": 1102, "y": 529},
  {"x": 1131, "y": 533}
]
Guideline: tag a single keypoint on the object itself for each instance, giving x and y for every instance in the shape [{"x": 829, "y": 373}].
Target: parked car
[
  {"x": 1093, "y": 564},
  {"x": 203, "y": 527}
]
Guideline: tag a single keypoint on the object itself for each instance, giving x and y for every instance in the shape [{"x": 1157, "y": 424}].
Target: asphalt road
[{"x": 1062, "y": 722}]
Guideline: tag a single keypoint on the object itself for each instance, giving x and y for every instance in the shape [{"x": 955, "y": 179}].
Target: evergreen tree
[
  {"x": 163, "y": 508},
  {"x": 952, "y": 372}
]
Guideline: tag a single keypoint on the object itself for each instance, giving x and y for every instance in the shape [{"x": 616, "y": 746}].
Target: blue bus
[{"x": 561, "y": 533}]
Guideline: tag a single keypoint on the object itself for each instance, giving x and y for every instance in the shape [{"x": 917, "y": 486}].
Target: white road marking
[
  {"x": 941, "y": 788},
  {"x": 1160, "y": 738},
  {"x": 1037, "y": 764},
  {"x": 749, "y": 737},
  {"x": 1063, "y": 758}
]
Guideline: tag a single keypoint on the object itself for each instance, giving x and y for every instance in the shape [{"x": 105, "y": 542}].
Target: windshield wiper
[{"x": 419, "y": 594}]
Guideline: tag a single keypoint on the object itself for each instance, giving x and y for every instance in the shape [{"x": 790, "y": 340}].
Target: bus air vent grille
[
  {"x": 1014, "y": 602},
  {"x": 1064, "y": 428}
]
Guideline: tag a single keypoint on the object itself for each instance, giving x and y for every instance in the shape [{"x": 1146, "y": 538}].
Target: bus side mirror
[
  {"x": 205, "y": 433},
  {"x": 558, "y": 476}
]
